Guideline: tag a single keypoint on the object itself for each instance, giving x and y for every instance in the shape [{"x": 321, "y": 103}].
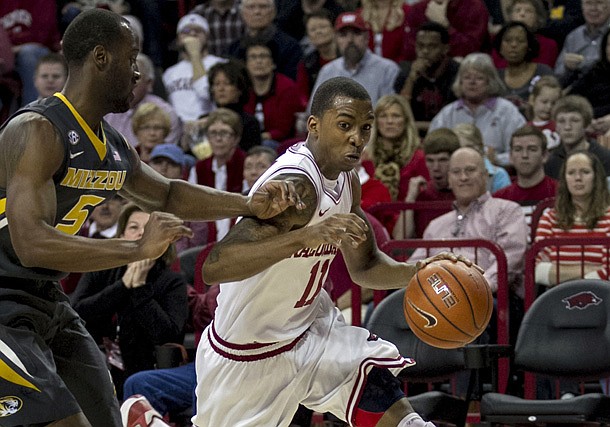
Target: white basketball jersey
[{"x": 278, "y": 304}]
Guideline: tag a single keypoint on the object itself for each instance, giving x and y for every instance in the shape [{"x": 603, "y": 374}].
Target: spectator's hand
[
  {"x": 572, "y": 60},
  {"x": 436, "y": 11},
  {"x": 419, "y": 67},
  {"x": 274, "y": 197},
  {"x": 192, "y": 46},
  {"x": 161, "y": 230},
  {"x": 140, "y": 271},
  {"x": 416, "y": 185},
  {"x": 604, "y": 140},
  {"x": 337, "y": 230},
  {"x": 600, "y": 125}
]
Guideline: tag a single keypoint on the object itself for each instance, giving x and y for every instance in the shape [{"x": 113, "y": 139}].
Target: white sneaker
[{"x": 136, "y": 411}]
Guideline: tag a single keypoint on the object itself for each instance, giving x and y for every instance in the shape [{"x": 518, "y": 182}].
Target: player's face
[
  {"x": 342, "y": 134},
  {"x": 514, "y": 45},
  {"x": 124, "y": 72},
  {"x": 391, "y": 122},
  {"x": 571, "y": 128},
  {"x": 429, "y": 47},
  {"x": 474, "y": 85},
  {"x": 525, "y": 13},
  {"x": 49, "y": 78},
  {"x": 542, "y": 105},
  {"x": 579, "y": 176},
  {"x": 467, "y": 176},
  {"x": 320, "y": 31},
  {"x": 135, "y": 225},
  {"x": 254, "y": 166},
  {"x": 526, "y": 155},
  {"x": 224, "y": 91},
  {"x": 223, "y": 139},
  {"x": 438, "y": 166}
]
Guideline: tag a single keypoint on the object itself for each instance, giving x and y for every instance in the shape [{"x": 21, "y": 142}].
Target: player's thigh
[
  {"x": 245, "y": 393},
  {"x": 82, "y": 367},
  {"x": 32, "y": 391}
]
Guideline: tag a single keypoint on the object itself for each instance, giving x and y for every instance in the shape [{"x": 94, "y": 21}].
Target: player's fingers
[{"x": 293, "y": 196}]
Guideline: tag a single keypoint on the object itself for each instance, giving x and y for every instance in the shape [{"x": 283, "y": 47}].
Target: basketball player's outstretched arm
[
  {"x": 152, "y": 191},
  {"x": 371, "y": 268},
  {"x": 253, "y": 245},
  {"x": 31, "y": 153}
]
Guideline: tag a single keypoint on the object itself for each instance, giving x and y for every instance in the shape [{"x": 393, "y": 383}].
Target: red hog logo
[{"x": 581, "y": 300}]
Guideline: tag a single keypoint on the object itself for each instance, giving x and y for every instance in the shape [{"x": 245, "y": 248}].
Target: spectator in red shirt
[
  {"x": 387, "y": 21},
  {"x": 466, "y": 21}
]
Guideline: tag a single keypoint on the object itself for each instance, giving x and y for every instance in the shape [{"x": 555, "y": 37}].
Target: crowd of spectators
[{"x": 491, "y": 105}]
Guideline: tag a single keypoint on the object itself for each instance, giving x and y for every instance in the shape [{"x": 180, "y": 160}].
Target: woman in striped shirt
[{"x": 581, "y": 210}]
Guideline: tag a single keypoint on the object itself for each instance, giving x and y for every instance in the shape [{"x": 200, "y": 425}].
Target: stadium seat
[
  {"x": 433, "y": 364},
  {"x": 565, "y": 334}
]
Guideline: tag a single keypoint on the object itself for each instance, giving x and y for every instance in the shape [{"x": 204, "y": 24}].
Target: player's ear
[
  {"x": 100, "y": 56},
  {"x": 313, "y": 124}
]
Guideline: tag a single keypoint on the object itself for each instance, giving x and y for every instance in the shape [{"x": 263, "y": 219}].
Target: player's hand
[
  {"x": 161, "y": 230},
  {"x": 337, "y": 230},
  {"x": 274, "y": 197},
  {"x": 451, "y": 257}
]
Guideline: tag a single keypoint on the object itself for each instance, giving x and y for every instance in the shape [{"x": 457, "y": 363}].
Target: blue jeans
[
  {"x": 25, "y": 65},
  {"x": 169, "y": 390}
]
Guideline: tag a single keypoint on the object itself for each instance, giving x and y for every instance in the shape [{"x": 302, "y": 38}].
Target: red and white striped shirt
[{"x": 574, "y": 255}]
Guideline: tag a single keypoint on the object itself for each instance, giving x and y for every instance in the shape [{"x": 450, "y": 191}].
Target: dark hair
[
  {"x": 436, "y": 28},
  {"x": 528, "y": 130},
  {"x": 321, "y": 14},
  {"x": 263, "y": 42},
  {"x": 53, "y": 58},
  {"x": 441, "y": 140},
  {"x": 170, "y": 254},
  {"x": 257, "y": 150},
  {"x": 92, "y": 28},
  {"x": 326, "y": 93},
  {"x": 533, "y": 47},
  {"x": 598, "y": 201},
  {"x": 236, "y": 73}
]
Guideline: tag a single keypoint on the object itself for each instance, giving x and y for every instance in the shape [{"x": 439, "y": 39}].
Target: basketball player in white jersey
[{"x": 277, "y": 340}]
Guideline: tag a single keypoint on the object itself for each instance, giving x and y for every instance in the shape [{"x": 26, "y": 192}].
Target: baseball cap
[
  {"x": 193, "y": 19},
  {"x": 350, "y": 19},
  {"x": 170, "y": 151}
]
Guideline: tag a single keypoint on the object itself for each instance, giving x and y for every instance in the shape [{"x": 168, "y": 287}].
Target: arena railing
[
  {"x": 532, "y": 289},
  {"x": 402, "y": 249}
]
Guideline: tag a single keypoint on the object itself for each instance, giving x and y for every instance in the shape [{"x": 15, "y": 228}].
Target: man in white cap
[{"x": 187, "y": 82}]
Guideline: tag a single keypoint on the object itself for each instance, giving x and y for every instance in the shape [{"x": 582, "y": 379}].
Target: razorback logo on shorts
[
  {"x": 581, "y": 300},
  {"x": 9, "y": 405}
]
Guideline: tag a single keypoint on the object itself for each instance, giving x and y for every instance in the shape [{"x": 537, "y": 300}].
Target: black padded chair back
[
  {"x": 566, "y": 331},
  {"x": 188, "y": 258}
]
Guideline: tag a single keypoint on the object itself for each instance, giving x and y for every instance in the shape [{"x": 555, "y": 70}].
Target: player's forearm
[
  {"x": 56, "y": 250},
  {"x": 201, "y": 203},
  {"x": 384, "y": 274},
  {"x": 234, "y": 261}
]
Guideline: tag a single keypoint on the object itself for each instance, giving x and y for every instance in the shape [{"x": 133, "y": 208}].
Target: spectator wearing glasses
[
  {"x": 224, "y": 169},
  {"x": 151, "y": 125}
]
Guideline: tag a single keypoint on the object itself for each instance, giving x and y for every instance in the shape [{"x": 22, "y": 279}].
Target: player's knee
[{"x": 381, "y": 391}]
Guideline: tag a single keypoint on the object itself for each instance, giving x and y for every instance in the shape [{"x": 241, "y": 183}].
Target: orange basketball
[{"x": 448, "y": 304}]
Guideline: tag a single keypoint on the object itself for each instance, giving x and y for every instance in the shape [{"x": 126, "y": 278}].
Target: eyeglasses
[
  {"x": 260, "y": 6},
  {"x": 468, "y": 171},
  {"x": 153, "y": 127},
  {"x": 223, "y": 134}
]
